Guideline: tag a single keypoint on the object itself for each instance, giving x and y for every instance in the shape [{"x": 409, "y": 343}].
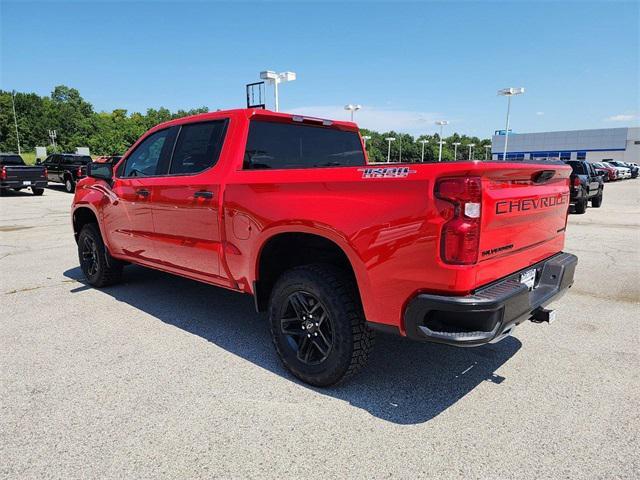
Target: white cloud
[
  {"x": 374, "y": 118},
  {"x": 539, "y": 113},
  {"x": 622, "y": 117}
]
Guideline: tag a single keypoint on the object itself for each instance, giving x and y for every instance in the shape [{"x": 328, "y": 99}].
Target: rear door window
[
  {"x": 198, "y": 147},
  {"x": 272, "y": 145}
]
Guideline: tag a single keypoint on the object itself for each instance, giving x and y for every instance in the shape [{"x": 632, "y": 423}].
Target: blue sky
[{"x": 408, "y": 64}]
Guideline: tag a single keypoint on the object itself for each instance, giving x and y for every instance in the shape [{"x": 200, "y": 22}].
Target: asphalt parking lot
[{"x": 164, "y": 377}]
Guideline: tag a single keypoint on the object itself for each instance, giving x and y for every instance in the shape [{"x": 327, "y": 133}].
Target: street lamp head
[
  {"x": 471, "y": 145},
  {"x": 442, "y": 122},
  {"x": 268, "y": 75},
  {"x": 367, "y": 137},
  {"x": 287, "y": 76},
  {"x": 272, "y": 76},
  {"x": 456, "y": 143},
  {"x": 352, "y": 107},
  {"x": 508, "y": 92},
  {"x": 390, "y": 139},
  {"x": 423, "y": 141}
]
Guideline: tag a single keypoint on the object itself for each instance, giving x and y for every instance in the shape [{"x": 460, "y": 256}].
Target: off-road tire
[
  {"x": 108, "y": 270},
  {"x": 37, "y": 191},
  {"x": 352, "y": 340}
]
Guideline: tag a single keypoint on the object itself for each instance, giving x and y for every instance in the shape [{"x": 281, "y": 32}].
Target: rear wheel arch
[{"x": 286, "y": 250}]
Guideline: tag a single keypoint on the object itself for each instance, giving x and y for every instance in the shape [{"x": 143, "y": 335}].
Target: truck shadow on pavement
[{"x": 405, "y": 382}]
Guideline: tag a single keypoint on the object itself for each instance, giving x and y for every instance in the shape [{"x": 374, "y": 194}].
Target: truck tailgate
[
  {"x": 21, "y": 173},
  {"x": 522, "y": 209}
]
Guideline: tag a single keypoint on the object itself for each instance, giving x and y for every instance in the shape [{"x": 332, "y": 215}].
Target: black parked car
[
  {"x": 67, "y": 168},
  {"x": 16, "y": 175},
  {"x": 586, "y": 185}
]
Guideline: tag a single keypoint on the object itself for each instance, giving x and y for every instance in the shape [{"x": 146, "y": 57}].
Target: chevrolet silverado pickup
[
  {"x": 287, "y": 209},
  {"x": 16, "y": 175},
  {"x": 66, "y": 168}
]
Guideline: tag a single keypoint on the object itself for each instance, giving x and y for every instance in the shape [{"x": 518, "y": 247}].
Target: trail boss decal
[
  {"x": 386, "y": 172},
  {"x": 522, "y": 205}
]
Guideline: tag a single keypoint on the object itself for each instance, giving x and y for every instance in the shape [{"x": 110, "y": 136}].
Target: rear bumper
[
  {"x": 489, "y": 314},
  {"x": 20, "y": 184}
]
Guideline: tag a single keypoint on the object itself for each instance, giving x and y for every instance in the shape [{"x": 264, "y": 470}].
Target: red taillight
[
  {"x": 79, "y": 172},
  {"x": 460, "y": 236},
  {"x": 3, "y": 173},
  {"x": 46, "y": 172},
  {"x": 576, "y": 181}
]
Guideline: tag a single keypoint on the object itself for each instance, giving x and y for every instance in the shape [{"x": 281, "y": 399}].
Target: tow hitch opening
[{"x": 541, "y": 315}]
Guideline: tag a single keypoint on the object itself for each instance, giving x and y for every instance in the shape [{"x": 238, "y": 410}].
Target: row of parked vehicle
[
  {"x": 587, "y": 180},
  {"x": 63, "y": 168},
  {"x": 614, "y": 170}
]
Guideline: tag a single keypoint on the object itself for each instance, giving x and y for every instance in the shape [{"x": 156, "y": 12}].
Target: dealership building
[{"x": 621, "y": 144}]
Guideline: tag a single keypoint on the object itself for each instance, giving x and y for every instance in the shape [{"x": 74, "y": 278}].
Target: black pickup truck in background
[
  {"x": 587, "y": 185},
  {"x": 16, "y": 175},
  {"x": 67, "y": 168}
]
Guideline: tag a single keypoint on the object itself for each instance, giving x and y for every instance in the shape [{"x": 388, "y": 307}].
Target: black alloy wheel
[
  {"x": 89, "y": 256},
  {"x": 308, "y": 328}
]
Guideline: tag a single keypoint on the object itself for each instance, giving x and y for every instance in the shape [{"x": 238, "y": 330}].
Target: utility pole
[
  {"x": 53, "y": 136},
  {"x": 15, "y": 119}
]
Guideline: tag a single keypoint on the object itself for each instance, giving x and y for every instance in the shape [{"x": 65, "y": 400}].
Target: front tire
[
  {"x": 318, "y": 326},
  {"x": 596, "y": 201},
  {"x": 99, "y": 267},
  {"x": 37, "y": 191}
]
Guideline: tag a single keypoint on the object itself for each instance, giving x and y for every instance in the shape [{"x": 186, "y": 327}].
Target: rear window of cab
[{"x": 274, "y": 145}]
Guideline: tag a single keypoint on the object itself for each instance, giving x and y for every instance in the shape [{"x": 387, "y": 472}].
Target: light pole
[
  {"x": 442, "y": 123},
  {"x": 508, "y": 92},
  {"x": 471, "y": 145},
  {"x": 353, "y": 108},
  {"x": 15, "y": 119},
  {"x": 365, "y": 138},
  {"x": 389, "y": 139},
  {"x": 277, "y": 78},
  {"x": 423, "y": 142},
  {"x": 455, "y": 150},
  {"x": 486, "y": 152}
]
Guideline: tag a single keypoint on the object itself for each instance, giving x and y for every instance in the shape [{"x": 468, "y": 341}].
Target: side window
[
  {"x": 145, "y": 159},
  {"x": 198, "y": 147}
]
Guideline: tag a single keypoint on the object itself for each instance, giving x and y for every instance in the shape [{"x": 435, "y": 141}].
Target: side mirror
[
  {"x": 38, "y": 161},
  {"x": 102, "y": 171}
]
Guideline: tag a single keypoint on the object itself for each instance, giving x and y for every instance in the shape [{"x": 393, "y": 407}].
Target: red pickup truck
[{"x": 287, "y": 209}]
